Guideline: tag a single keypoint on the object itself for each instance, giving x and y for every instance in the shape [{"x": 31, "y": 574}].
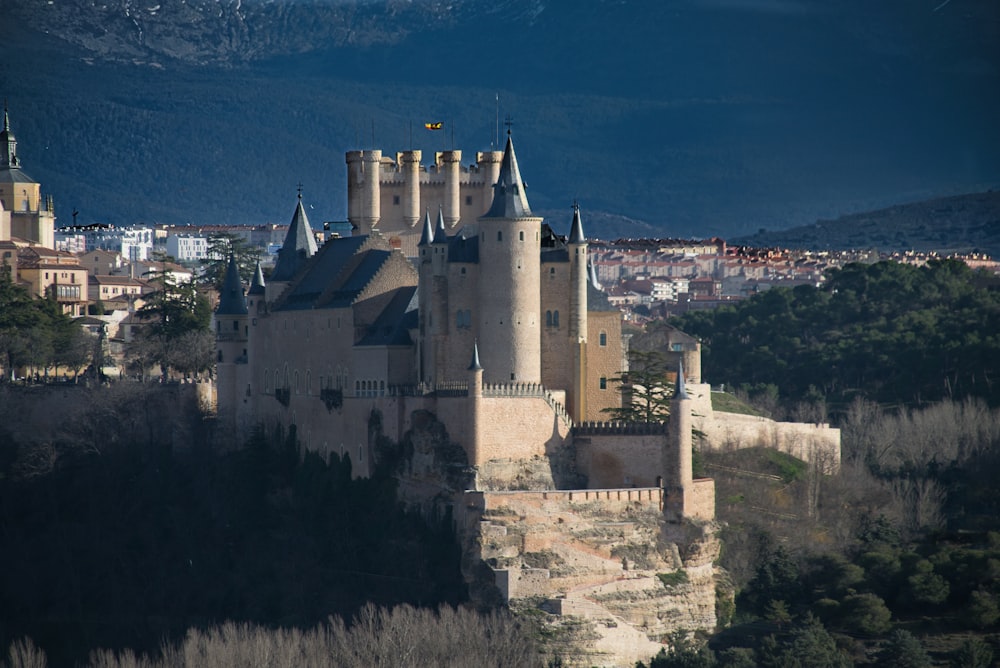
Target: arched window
[
  {"x": 548, "y": 318},
  {"x": 555, "y": 318},
  {"x": 298, "y": 387},
  {"x": 308, "y": 382}
]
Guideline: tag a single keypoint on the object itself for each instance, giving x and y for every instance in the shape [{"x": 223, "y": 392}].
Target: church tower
[
  {"x": 509, "y": 281},
  {"x": 20, "y": 195}
]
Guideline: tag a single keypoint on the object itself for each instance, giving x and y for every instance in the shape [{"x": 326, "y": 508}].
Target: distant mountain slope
[
  {"x": 957, "y": 224},
  {"x": 695, "y": 117}
]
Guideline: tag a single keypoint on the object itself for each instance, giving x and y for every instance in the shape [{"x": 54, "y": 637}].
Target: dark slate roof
[
  {"x": 14, "y": 175},
  {"x": 299, "y": 246},
  {"x": 440, "y": 233},
  {"x": 462, "y": 248},
  {"x": 576, "y": 229},
  {"x": 335, "y": 276},
  {"x": 392, "y": 326},
  {"x": 509, "y": 198},
  {"x": 257, "y": 285},
  {"x": 427, "y": 236},
  {"x": 231, "y": 299},
  {"x": 475, "y": 365}
]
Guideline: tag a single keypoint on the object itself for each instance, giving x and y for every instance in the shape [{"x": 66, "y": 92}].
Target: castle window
[
  {"x": 236, "y": 326},
  {"x": 298, "y": 386},
  {"x": 308, "y": 382},
  {"x": 468, "y": 200},
  {"x": 219, "y": 359},
  {"x": 552, "y": 272},
  {"x": 463, "y": 271},
  {"x": 603, "y": 338},
  {"x": 604, "y": 383},
  {"x": 499, "y": 238},
  {"x": 395, "y": 200},
  {"x": 555, "y": 318},
  {"x": 548, "y": 318},
  {"x": 520, "y": 235}
]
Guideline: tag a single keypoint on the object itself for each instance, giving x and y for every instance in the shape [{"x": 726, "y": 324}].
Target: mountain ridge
[{"x": 698, "y": 118}]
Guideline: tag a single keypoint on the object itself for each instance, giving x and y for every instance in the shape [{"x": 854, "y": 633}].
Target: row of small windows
[
  {"x": 331, "y": 381},
  {"x": 369, "y": 388},
  {"x": 520, "y": 235},
  {"x": 463, "y": 318}
]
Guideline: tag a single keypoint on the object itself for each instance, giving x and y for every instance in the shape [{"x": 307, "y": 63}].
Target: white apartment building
[{"x": 187, "y": 247}]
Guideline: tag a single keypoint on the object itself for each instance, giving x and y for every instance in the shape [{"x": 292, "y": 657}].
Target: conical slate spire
[
  {"x": 576, "y": 230},
  {"x": 475, "y": 366},
  {"x": 231, "y": 300},
  {"x": 681, "y": 392},
  {"x": 593, "y": 276},
  {"x": 440, "y": 233},
  {"x": 257, "y": 285},
  {"x": 427, "y": 237},
  {"x": 509, "y": 198},
  {"x": 300, "y": 245}
]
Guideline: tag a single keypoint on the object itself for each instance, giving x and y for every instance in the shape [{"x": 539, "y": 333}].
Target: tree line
[{"x": 894, "y": 333}]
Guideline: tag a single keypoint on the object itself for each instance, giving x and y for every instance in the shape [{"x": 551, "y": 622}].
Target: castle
[
  {"x": 482, "y": 343},
  {"x": 355, "y": 326}
]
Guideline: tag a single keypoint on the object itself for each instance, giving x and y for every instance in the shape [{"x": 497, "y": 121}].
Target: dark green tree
[
  {"x": 973, "y": 653},
  {"x": 646, "y": 388},
  {"x": 172, "y": 311},
  {"x": 903, "y": 650},
  {"x": 220, "y": 247}
]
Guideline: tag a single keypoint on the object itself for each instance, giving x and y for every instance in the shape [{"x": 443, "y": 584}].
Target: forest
[{"x": 897, "y": 334}]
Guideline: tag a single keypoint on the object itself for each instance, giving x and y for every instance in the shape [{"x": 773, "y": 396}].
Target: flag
[{"x": 433, "y": 126}]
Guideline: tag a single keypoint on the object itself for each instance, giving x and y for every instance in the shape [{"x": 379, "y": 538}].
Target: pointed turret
[
  {"x": 299, "y": 246},
  {"x": 509, "y": 198},
  {"x": 593, "y": 277},
  {"x": 681, "y": 391},
  {"x": 576, "y": 229},
  {"x": 440, "y": 232},
  {"x": 427, "y": 237},
  {"x": 231, "y": 300},
  {"x": 257, "y": 284},
  {"x": 475, "y": 365}
]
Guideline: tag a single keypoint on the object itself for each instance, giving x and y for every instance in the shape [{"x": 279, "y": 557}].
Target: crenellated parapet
[{"x": 620, "y": 428}]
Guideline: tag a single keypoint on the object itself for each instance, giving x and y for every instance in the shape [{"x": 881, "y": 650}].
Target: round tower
[
  {"x": 410, "y": 163},
  {"x": 509, "y": 281},
  {"x": 578, "y": 315},
  {"x": 450, "y": 164},
  {"x": 677, "y": 452},
  {"x": 231, "y": 343},
  {"x": 364, "y": 207},
  {"x": 425, "y": 271},
  {"x": 475, "y": 380}
]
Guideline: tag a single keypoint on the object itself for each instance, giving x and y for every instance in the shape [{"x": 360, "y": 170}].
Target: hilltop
[{"x": 959, "y": 224}]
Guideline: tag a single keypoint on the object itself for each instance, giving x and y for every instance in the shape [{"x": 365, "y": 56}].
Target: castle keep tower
[
  {"x": 509, "y": 284},
  {"x": 389, "y": 194}
]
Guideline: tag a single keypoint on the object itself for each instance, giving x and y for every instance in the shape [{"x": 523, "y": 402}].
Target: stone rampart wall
[
  {"x": 818, "y": 443},
  {"x": 611, "y": 459}
]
